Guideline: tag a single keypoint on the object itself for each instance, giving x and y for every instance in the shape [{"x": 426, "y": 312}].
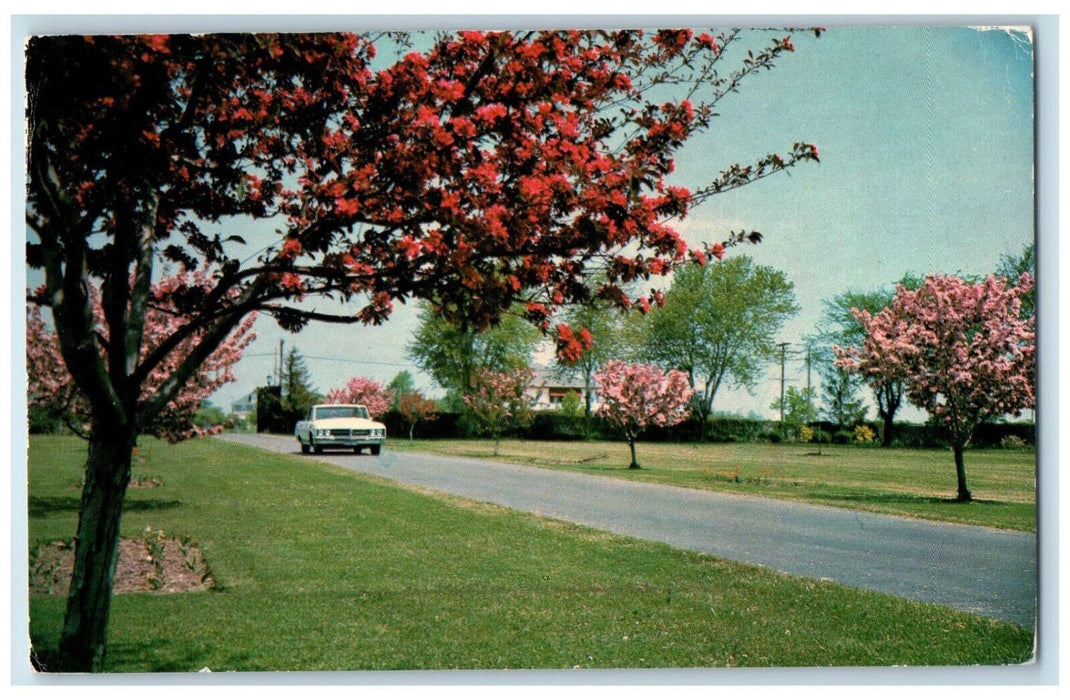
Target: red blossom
[
  {"x": 572, "y": 345},
  {"x": 291, "y": 248},
  {"x": 409, "y": 247},
  {"x": 706, "y": 41},
  {"x": 413, "y": 407},
  {"x": 346, "y": 207}
]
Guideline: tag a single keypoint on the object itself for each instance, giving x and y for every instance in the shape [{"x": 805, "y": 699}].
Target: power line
[
  {"x": 350, "y": 360},
  {"x": 335, "y": 359}
]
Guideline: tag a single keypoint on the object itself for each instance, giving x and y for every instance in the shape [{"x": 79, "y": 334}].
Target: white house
[
  {"x": 244, "y": 406},
  {"x": 548, "y": 390}
]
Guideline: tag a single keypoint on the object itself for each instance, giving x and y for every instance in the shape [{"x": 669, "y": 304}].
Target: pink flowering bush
[
  {"x": 51, "y": 389},
  {"x": 499, "y": 400},
  {"x": 635, "y": 396},
  {"x": 963, "y": 351},
  {"x": 366, "y": 392}
]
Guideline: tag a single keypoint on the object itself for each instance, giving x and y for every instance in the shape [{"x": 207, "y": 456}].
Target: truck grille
[{"x": 346, "y": 432}]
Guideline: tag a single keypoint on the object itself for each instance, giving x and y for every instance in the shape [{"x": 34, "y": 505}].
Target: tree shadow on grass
[
  {"x": 47, "y": 660},
  {"x": 171, "y": 658},
  {"x": 44, "y": 506},
  {"x": 575, "y": 466},
  {"x": 902, "y": 499}
]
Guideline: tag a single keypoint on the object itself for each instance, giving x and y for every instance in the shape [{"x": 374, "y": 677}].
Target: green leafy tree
[
  {"x": 453, "y": 354},
  {"x": 209, "y": 415},
  {"x": 400, "y": 385},
  {"x": 604, "y": 326},
  {"x": 570, "y": 405},
  {"x": 718, "y": 325},
  {"x": 799, "y": 409},
  {"x": 840, "y": 328},
  {"x": 841, "y": 402},
  {"x": 1012, "y": 268}
]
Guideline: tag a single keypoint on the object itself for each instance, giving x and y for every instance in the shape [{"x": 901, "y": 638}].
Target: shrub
[
  {"x": 1012, "y": 442},
  {"x": 864, "y": 435}
]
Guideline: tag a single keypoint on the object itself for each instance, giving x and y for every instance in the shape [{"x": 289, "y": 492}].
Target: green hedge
[{"x": 552, "y": 425}]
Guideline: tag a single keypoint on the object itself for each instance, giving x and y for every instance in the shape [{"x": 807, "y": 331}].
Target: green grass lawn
[
  {"x": 914, "y": 483},
  {"x": 324, "y": 569}
]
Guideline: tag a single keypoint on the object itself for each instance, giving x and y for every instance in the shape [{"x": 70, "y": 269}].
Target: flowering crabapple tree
[
  {"x": 414, "y": 408},
  {"x": 499, "y": 401},
  {"x": 51, "y": 388},
  {"x": 485, "y": 170},
  {"x": 361, "y": 390},
  {"x": 963, "y": 352},
  {"x": 635, "y": 396}
]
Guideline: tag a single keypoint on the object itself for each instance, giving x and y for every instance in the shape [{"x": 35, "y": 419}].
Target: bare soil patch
[{"x": 155, "y": 564}]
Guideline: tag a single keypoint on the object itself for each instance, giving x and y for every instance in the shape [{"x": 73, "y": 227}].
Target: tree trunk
[
  {"x": 96, "y": 552},
  {"x": 886, "y": 432},
  {"x": 634, "y": 464},
  {"x": 888, "y": 399},
  {"x": 960, "y": 472},
  {"x": 587, "y": 415}
]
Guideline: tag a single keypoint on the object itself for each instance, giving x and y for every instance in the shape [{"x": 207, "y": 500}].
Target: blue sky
[{"x": 926, "y": 142}]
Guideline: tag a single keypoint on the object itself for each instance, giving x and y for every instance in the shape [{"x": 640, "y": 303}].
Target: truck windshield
[{"x": 341, "y": 412}]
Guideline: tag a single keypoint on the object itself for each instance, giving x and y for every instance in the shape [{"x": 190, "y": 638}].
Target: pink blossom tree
[
  {"x": 962, "y": 350},
  {"x": 635, "y": 396},
  {"x": 52, "y": 389},
  {"x": 366, "y": 392},
  {"x": 499, "y": 400},
  {"x": 414, "y": 408}
]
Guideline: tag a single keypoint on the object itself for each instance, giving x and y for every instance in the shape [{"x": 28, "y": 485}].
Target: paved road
[{"x": 980, "y": 570}]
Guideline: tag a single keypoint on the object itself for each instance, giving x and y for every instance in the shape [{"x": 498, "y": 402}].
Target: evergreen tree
[{"x": 298, "y": 394}]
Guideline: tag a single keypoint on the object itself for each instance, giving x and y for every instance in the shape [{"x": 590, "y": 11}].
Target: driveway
[{"x": 980, "y": 570}]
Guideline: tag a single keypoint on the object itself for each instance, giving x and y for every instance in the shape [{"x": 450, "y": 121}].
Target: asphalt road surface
[{"x": 980, "y": 570}]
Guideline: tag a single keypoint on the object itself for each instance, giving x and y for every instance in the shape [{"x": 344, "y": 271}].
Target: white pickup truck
[{"x": 339, "y": 425}]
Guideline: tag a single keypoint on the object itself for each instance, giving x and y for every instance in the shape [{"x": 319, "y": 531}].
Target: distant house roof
[
  {"x": 547, "y": 377},
  {"x": 244, "y": 403}
]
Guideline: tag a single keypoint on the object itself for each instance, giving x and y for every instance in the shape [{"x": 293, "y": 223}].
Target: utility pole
[
  {"x": 783, "y": 353},
  {"x": 809, "y": 398},
  {"x": 281, "y": 365},
  {"x": 272, "y": 378},
  {"x": 808, "y": 407}
]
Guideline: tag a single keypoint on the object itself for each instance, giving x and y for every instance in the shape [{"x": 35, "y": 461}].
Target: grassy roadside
[
  {"x": 323, "y": 569},
  {"x": 913, "y": 483}
]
